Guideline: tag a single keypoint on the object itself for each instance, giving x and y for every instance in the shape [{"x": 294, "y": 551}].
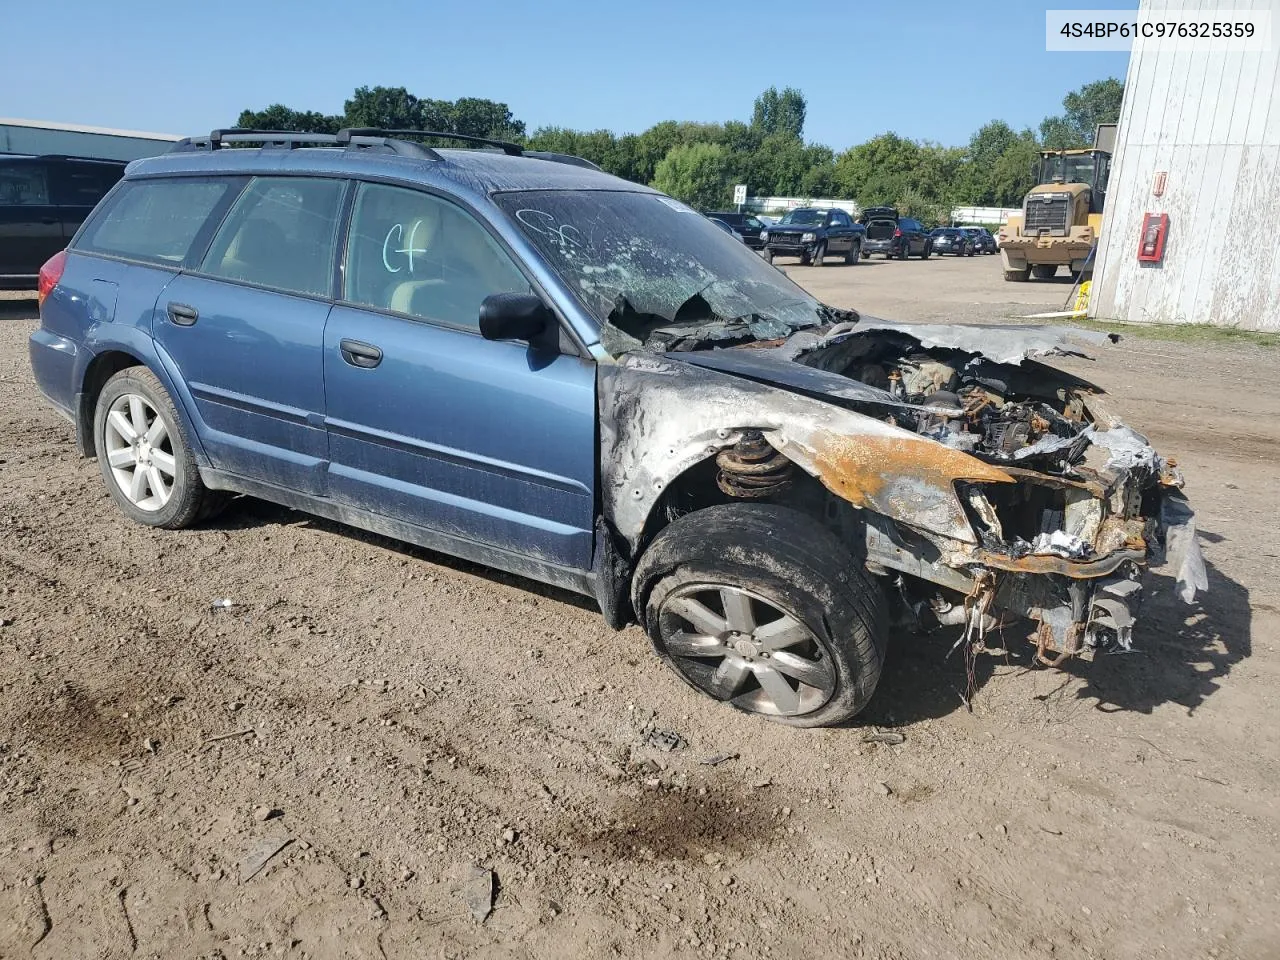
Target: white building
[
  {"x": 40, "y": 137},
  {"x": 1199, "y": 140}
]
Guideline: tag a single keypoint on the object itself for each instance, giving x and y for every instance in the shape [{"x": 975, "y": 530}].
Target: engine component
[{"x": 752, "y": 469}]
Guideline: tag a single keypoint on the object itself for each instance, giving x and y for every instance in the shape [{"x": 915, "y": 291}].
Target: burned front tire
[{"x": 764, "y": 608}]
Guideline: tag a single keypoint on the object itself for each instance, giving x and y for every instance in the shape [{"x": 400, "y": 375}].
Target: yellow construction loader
[{"x": 1061, "y": 215}]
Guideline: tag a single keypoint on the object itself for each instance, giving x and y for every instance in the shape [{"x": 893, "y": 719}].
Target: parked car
[
  {"x": 42, "y": 203},
  {"x": 576, "y": 379},
  {"x": 952, "y": 240},
  {"x": 746, "y": 225},
  {"x": 983, "y": 241},
  {"x": 894, "y": 236},
  {"x": 727, "y": 229},
  {"x": 811, "y": 233}
]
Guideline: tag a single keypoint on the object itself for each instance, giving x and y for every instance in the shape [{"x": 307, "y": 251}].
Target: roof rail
[
  {"x": 290, "y": 139},
  {"x": 506, "y": 146}
]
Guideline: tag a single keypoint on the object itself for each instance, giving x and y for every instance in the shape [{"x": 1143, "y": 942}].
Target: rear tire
[
  {"x": 146, "y": 456},
  {"x": 854, "y": 255},
  {"x": 926, "y": 252},
  {"x": 904, "y": 251},
  {"x": 1018, "y": 276},
  {"x": 713, "y": 583},
  {"x": 1044, "y": 271}
]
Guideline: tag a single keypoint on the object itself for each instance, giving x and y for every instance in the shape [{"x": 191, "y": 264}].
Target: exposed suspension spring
[{"x": 751, "y": 468}]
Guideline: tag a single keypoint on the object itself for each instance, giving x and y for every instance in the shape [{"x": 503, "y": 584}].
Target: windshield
[
  {"x": 655, "y": 273},
  {"x": 805, "y": 216},
  {"x": 1074, "y": 168}
]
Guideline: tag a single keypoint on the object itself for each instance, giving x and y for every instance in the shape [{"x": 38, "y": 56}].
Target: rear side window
[
  {"x": 23, "y": 184},
  {"x": 83, "y": 184},
  {"x": 153, "y": 220},
  {"x": 281, "y": 233}
]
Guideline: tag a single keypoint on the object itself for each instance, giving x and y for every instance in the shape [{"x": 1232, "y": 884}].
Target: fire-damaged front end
[{"x": 984, "y": 486}]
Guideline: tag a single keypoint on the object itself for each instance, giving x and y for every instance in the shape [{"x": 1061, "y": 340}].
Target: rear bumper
[{"x": 880, "y": 246}]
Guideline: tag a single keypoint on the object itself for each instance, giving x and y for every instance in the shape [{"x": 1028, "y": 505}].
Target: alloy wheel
[
  {"x": 736, "y": 646},
  {"x": 139, "y": 452}
]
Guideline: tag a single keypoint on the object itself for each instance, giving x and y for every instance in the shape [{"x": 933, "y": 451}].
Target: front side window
[
  {"x": 416, "y": 254},
  {"x": 281, "y": 233},
  {"x": 154, "y": 220},
  {"x": 23, "y": 184}
]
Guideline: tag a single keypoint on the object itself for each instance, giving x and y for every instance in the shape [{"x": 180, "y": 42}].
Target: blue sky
[{"x": 864, "y": 67}]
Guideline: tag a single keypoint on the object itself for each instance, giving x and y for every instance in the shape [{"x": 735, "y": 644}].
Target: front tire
[
  {"x": 1018, "y": 276},
  {"x": 767, "y": 254},
  {"x": 764, "y": 608},
  {"x": 145, "y": 455},
  {"x": 819, "y": 253}
]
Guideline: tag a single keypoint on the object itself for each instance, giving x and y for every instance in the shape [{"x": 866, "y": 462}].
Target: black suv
[
  {"x": 744, "y": 223},
  {"x": 43, "y": 201},
  {"x": 811, "y": 233},
  {"x": 894, "y": 236}
]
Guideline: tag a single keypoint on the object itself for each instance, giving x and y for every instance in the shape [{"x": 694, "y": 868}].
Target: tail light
[
  {"x": 50, "y": 274},
  {"x": 896, "y": 233}
]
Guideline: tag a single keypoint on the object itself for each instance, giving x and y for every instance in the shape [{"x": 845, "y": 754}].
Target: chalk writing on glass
[
  {"x": 396, "y": 234},
  {"x": 539, "y": 221}
]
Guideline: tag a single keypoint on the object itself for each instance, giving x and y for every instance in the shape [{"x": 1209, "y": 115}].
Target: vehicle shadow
[
  {"x": 1182, "y": 654},
  {"x": 23, "y": 308},
  {"x": 248, "y": 513}
]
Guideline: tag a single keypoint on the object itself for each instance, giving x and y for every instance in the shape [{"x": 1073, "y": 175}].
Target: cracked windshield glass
[{"x": 655, "y": 273}]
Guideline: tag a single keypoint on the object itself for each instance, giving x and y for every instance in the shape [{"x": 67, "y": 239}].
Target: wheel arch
[{"x": 106, "y": 360}]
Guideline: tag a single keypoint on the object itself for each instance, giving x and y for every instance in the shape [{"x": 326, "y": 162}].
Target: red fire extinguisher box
[{"x": 1155, "y": 227}]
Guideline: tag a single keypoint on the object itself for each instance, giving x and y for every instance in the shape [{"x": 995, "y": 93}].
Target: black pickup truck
[{"x": 811, "y": 233}]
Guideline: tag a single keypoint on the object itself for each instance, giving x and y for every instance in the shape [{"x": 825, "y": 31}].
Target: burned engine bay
[{"x": 1028, "y": 498}]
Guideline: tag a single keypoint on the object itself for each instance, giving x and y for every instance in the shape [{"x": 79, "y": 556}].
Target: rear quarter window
[{"x": 154, "y": 220}]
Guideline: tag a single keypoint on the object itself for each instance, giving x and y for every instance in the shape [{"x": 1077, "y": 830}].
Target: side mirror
[{"x": 513, "y": 316}]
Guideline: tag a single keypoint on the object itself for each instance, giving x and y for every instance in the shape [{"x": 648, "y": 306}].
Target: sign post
[{"x": 739, "y": 196}]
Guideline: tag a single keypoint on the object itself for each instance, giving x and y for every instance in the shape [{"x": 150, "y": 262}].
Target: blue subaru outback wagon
[{"x": 520, "y": 360}]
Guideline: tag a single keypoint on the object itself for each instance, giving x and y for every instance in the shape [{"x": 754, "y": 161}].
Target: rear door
[
  {"x": 244, "y": 328},
  {"x": 429, "y": 423},
  {"x": 30, "y": 226}
]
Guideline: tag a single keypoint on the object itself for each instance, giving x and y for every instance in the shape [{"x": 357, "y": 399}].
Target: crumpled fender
[{"x": 659, "y": 417}]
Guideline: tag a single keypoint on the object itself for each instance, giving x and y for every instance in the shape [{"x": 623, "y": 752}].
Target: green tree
[
  {"x": 390, "y": 108},
  {"x": 652, "y": 146},
  {"x": 1094, "y": 103},
  {"x": 780, "y": 113},
  {"x": 696, "y": 173},
  {"x": 476, "y": 117},
  {"x": 279, "y": 117},
  {"x": 878, "y": 171}
]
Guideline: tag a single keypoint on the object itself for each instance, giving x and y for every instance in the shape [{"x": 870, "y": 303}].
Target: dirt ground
[{"x": 395, "y": 718}]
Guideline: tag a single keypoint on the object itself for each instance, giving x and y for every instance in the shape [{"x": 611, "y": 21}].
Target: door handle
[
  {"x": 182, "y": 315},
  {"x": 360, "y": 354}
]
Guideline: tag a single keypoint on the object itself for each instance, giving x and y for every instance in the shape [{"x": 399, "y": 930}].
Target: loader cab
[{"x": 1090, "y": 167}]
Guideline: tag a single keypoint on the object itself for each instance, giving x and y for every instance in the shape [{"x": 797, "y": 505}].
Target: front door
[
  {"x": 245, "y": 330},
  {"x": 431, "y": 424}
]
